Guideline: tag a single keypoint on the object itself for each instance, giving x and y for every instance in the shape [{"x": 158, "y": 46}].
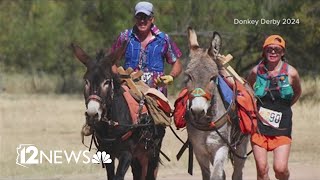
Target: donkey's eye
[
  {"x": 214, "y": 78},
  {"x": 106, "y": 82},
  {"x": 186, "y": 78},
  {"x": 86, "y": 81}
]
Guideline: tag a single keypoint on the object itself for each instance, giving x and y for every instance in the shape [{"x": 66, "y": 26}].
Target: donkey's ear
[
  {"x": 215, "y": 45},
  {"x": 80, "y": 54},
  {"x": 192, "y": 37}
]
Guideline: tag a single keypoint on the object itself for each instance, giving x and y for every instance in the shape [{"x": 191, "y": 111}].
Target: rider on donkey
[{"x": 147, "y": 48}]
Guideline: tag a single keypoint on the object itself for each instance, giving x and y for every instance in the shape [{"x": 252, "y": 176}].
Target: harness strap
[
  {"x": 190, "y": 156},
  {"x": 219, "y": 122},
  {"x": 176, "y": 135},
  {"x": 161, "y": 152},
  {"x": 190, "y": 161},
  {"x": 262, "y": 70},
  {"x": 126, "y": 136},
  {"x": 164, "y": 155},
  {"x": 222, "y": 120},
  {"x": 231, "y": 148},
  {"x": 284, "y": 69},
  {"x": 182, "y": 149},
  {"x": 141, "y": 106},
  {"x": 91, "y": 141}
]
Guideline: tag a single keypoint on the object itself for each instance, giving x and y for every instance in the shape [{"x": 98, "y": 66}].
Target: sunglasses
[
  {"x": 276, "y": 50},
  {"x": 142, "y": 17}
]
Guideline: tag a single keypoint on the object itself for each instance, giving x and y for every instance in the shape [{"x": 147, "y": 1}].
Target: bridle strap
[
  {"x": 95, "y": 98},
  {"x": 219, "y": 122},
  {"x": 199, "y": 92}
]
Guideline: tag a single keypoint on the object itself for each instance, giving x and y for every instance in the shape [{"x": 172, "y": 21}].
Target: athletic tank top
[{"x": 273, "y": 101}]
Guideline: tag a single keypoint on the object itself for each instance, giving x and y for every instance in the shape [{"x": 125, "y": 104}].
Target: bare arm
[
  {"x": 294, "y": 80},
  {"x": 176, "y": 69},
  {"x": 251, "y": 78}
]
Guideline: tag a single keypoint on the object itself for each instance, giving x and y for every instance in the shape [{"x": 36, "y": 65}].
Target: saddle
[
  {"x": 136, "y": 108},
  {"x": 143, "y": 99}
]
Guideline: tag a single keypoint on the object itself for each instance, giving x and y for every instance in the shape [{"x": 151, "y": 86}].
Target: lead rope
[
  {"x": 231, "y": 148},
  {"x": 176, "y": 135}
]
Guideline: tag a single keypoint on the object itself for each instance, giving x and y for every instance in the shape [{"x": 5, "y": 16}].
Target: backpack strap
[
  {"x": 284, "y": 69},
  {"x": 262, "y": 70}
]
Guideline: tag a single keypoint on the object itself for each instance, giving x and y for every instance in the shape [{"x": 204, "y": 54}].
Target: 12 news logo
[{"x": 28, "y": 154}]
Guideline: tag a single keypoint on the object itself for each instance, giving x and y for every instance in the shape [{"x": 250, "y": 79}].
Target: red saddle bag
[
  {"x": 180, "y": 109},
  {"x": 246, "y": 109}
]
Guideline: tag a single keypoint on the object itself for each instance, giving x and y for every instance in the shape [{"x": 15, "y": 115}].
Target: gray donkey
[{"x": 208, "y": 126}]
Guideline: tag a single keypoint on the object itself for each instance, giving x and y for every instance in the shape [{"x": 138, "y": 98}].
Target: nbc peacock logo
[{"x": 101, "y": 157}]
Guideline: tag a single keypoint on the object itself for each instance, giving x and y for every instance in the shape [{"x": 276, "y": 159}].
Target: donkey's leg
[
  {"x": 144, "y": 162},
  {"x": 136, "y": 169},
  {"x": 124, "y": 163},
  {"x": 154, "y": 154},
  {"x": 152, "y": 168},
  {"x": 110, "y": 170},
  {"x": 217, "y": 171},
  {"x": 153, "y": 163},
  {"x": 203, "y": 160},
  {"x": 239, "y": 163}
]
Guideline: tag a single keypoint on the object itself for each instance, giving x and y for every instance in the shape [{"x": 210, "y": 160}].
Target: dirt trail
[{"x": 298, "y": 171}]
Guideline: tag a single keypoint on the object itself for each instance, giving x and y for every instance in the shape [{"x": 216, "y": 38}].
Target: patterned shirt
[
  {"x": 171, "y": 49},
  {"x": 170, "y": 52}
]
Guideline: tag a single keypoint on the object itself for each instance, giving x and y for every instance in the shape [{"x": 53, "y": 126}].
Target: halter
[
  {"x": 98, "y": 98},
  {"x": 103, "y": 102},
  {"x": 94, "y": 98},
  {"x": 214, "y": 124},
  {"x": 199, "y": 92}
]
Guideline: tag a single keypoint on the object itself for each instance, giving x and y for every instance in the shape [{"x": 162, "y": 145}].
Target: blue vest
[{"x": 154, "y": 52}]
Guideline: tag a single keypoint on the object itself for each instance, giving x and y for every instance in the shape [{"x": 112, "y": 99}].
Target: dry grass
[{"x": 54, "y": 122}]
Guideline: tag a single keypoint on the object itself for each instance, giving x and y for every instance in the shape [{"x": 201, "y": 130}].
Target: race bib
[{"x": 273, "y": 117}]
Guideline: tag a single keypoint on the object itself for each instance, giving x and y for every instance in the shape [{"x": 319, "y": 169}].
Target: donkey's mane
[
  {"x": 104, "y": 57},
  {"x": 100, "y": 55}
]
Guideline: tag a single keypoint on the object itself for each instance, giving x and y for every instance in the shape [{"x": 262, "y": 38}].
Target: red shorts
[{"x": 269, "y": 142}]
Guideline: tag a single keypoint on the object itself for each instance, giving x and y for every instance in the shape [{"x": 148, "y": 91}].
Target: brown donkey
[{"x": 107, "y": 112}]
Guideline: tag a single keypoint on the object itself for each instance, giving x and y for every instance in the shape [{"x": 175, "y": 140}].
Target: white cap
[{"x": 144, "y": 7}]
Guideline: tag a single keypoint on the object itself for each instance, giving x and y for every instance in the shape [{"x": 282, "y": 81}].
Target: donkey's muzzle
[
  {"x": 94, "y": 110},
  {"x": 197, "y": 113}
]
